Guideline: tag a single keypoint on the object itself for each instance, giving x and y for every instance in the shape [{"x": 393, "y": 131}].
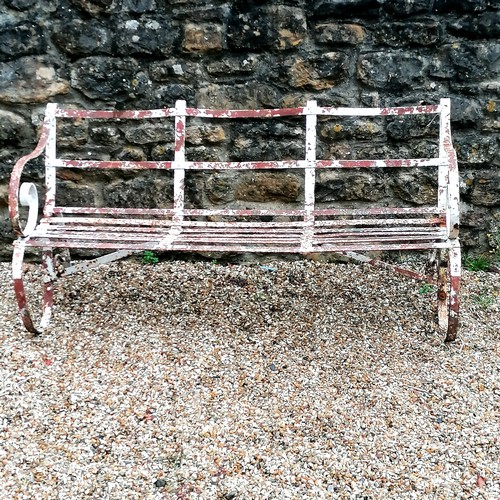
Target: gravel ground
[{"x": 285, "y": 380}]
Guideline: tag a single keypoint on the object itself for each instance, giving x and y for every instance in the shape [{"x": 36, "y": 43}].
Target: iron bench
[{"x": 310, "y": 229}]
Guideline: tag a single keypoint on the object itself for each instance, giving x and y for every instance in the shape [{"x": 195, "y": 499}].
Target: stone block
[
  {"x": 408, "y": 127},
  {"x": 83, "y": 38},
  {"x": 477, "y": 151},
  {"x": 265, "y": 27},
  {"x": 465, "y": 112},
  {"x": 349, "y": 128},
  {"x": 239, "y": 96},
  {"x": 139, "y": 6},
  {"x": 131, "y": 153},
  {"x": 343, "y": 8},
  {"x": 233, "y": 66},
  {"x": 172, "y": 70},
  {"x": 149, "y": 132},
  {"x": 219, "y": 187},
  {"x": 485, "y": 25},
  {"x": 31, "y": 79},
  {"x": 109, "y": 78},
  {"x": 97, "y": 7},
  {"x": 406, "y": 7},
  {"x": 14, "y": 129},
  {"x": 411, "y": 148},
  {"x": 21, "y": 40},
  {"x": 20, "y": 4},
  {"x": 268, "y": 187},
  {"x": 71, "y": 194},
  {"x": 467, "y": 62},
  {"x": 106, "y": 134},
  {"x": 205, "y": 153},
  {"x": 399, "y": 34},
  {"x": 340, "y": 34},
  {"x": 200, "y": 12},
  {"x": 270, "y": 140},
  {"x": 166, "y": 95},
  {"x": 145, "y": 36},
  {"x": 415, "y": 186},
  {"x": 72, "y": 133},
  {"x": 391, "y": 71},
  {"x": 210, "y": 134},
  {"x": 444, "y": 6},
  {"x": 200, "y": 38},
  {"x": 332, "y": 185},
  {"x": 163, "y": 152},
  {"x": 319, "y": 73},
  {"x": 486, "y": 189},
  {"x": 474, "y": 216},
  {"x": 150, "y": 190}
]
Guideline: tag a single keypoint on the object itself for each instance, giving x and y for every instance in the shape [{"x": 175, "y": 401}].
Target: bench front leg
[
  {"x": 448, "y": 300},
  {"x": 455, "y": 269},
  {"x": 20, "y": 292}
]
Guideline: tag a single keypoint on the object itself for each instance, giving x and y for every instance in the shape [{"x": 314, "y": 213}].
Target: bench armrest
[
  {"x": 25, "y": 195},
  {"x": 28, "y": 197}
]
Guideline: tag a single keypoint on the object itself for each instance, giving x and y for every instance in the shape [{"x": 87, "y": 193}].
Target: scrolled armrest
[{"x": 28, "y": 197}]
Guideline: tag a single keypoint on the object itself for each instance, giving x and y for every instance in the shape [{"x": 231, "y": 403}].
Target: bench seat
[{"x": 266, "y": 237}]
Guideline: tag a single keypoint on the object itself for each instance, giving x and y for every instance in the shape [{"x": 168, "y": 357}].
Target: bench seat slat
[
  {"x": 148, "y": 225},
  {"x": 213, "y": 247},
  {"x": 204, "y": 212},
  {"x": 241, "y": 232}
]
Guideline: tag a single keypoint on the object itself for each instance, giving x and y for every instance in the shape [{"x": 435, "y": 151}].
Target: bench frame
[{"x": 319, "y": 230}]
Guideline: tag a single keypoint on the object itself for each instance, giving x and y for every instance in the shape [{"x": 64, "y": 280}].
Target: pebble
[{"x": 202, "y": 381}]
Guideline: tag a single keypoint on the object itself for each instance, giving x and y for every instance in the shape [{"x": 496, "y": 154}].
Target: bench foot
[
  {"x": 19, "y": 290},
  {"x": 449, "y": 271}
]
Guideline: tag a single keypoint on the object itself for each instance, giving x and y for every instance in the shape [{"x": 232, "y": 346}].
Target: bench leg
[
  {"x": 449, "y": 270},
  {"x": 48, "y": 288},
  {"x": 442, "y": 293},
  {"x": 454, "y": 301}
]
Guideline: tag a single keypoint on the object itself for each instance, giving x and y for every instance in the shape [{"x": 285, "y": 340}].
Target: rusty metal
[
  {"x": 454, "y": 270},
  {"x": 304, "y": 229}
]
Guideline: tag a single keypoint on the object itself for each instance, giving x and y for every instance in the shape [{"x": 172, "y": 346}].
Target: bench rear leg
[
  {"x": 449, "y": 270},
  {"x": 19, "y": 290},
  {"x": 442, "y": 293}
]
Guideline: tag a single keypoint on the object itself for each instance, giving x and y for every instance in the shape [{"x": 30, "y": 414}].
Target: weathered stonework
[
  {"x": 237, "y": 54},
  {"x": 202, "y": 38},
  {"x": 31, "y": 80}
]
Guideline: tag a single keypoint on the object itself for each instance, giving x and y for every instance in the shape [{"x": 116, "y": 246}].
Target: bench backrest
[{"x": 445, "y": 162}]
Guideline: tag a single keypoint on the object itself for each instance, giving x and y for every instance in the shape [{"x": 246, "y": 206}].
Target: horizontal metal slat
[
  {"x": 338, "y": 247},
  {"x": 114, "y": 114},
  {"x": 244, "y": 113},
  {"x": 247, "y": 165},
  {"x": 193, "y": 212}
]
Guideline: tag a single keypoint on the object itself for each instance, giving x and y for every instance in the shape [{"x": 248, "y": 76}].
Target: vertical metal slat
[
  {"x": 309, "y": 176},
  {"x": 50, "y": 157},
  {"x": 179, "y": 160}
]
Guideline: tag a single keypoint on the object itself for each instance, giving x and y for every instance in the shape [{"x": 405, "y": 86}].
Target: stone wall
[{"x": 239, "y": 54}]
